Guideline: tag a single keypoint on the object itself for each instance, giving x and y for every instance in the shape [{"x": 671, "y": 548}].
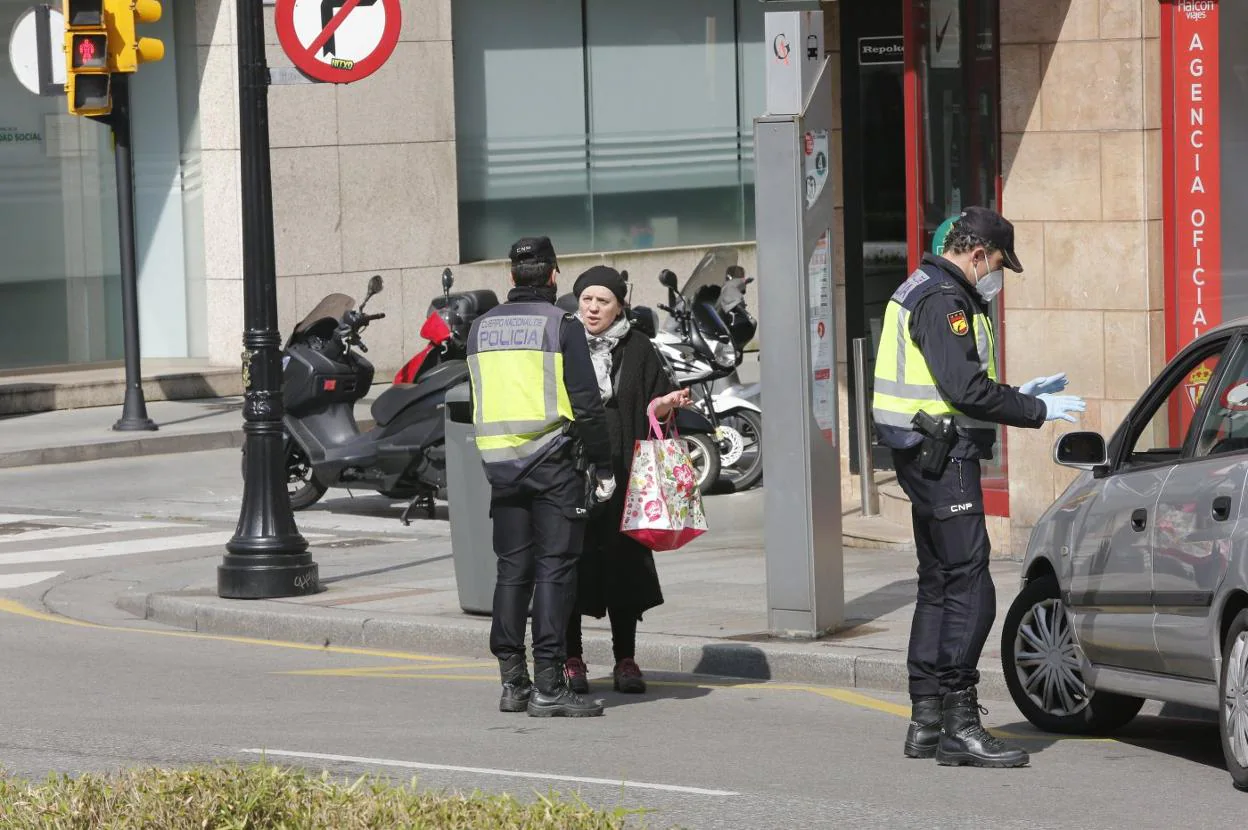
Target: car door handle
[
  {"x": 1139, "y": 520},
  {"x": 1221, "y": 508}
]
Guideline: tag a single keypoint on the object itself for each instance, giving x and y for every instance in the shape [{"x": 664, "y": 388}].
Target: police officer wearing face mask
[
  {"x": 937, "y": 401},
  {"x": 532, "y": 380}
]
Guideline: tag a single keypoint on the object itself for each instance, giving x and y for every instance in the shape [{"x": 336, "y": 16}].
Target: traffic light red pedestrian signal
[
  {"x": 101, "y": 37},
  {"x": 87, "y": 81},
  {"x": 89, "y": 52}
]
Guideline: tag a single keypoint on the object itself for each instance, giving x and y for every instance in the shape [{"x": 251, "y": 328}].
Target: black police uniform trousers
[
  {"x": 539, "y": 531},
  {"x": 957, "y": 601}
]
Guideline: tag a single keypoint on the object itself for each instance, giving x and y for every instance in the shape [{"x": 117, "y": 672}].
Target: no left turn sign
[{"x": 338, "y": 41}]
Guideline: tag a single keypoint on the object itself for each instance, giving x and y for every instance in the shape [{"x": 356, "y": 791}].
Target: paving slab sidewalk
[
  {"x": 402, "y": 595},
  {"x": 69, "y": 436}
]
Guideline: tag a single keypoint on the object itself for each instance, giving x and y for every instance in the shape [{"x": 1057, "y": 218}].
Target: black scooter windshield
[{"x": 333, "y": 307}]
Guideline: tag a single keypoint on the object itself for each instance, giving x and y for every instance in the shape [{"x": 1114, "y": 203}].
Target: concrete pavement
[{"x": 390, "y": 586}]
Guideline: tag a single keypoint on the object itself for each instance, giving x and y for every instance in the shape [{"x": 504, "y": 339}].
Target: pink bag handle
[{"x": 656, "y": 431}]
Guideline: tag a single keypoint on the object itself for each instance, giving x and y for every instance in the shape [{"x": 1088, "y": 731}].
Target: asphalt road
[
  {"x": 79, "y": 697},
  {"x": 696, "y": 754}
]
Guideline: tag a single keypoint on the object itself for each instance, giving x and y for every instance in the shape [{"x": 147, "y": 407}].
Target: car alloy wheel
[
  {"x": 1044, "y": 666},
  {"x": 1235, "y": 699},
  {"x": 1048, "y": 661}
]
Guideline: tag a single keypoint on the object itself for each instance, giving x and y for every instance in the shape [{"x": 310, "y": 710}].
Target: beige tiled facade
[
  {"x": 1082, "y": 177},
  {"x": 364, "y": 181}
]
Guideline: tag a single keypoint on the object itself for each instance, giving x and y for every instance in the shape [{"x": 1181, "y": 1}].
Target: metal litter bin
[{"x": 468, "y": 494}]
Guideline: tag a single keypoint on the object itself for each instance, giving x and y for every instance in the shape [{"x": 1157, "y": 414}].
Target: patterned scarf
[{"x": 600, "y": 348}]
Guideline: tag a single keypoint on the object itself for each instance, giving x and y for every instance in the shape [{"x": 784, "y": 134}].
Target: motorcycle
[
  {"x": 325, "y": 373},
  {"x": 694, "y": 428},
  {"x": 447, "y": 323},
  {"x": 704, "y": 340}
]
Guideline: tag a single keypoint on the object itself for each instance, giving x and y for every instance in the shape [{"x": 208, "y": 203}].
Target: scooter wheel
[
  {"x": 704, "y": 455},
  {"x": 301, "y": 482}
]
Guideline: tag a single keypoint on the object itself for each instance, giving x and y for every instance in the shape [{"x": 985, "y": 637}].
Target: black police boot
[
  {"x": 924, "y": 733},
  {"x": 965, "y": 742},
  {"x": 517, "y": 687},
  {"x": 553, "y": 699}
]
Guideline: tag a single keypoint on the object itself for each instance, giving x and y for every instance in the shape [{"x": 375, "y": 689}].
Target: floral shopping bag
[{"x": 662, "y": 507}]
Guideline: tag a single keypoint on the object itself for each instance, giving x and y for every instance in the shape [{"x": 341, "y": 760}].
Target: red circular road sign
[{"x": 338, "y": 41}]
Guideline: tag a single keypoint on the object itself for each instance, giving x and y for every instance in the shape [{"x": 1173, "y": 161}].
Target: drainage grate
[{"x": 342, "y": 544}]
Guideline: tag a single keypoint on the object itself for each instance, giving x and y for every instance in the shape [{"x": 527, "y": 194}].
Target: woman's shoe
[
  {"x": 628, "y": 677},
  {"x": 577, "y": 672}
]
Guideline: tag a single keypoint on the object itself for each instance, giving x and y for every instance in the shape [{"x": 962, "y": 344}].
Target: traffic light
[
  {"x": 87, "y": 77},
  {"x": 126, "y": 50}
]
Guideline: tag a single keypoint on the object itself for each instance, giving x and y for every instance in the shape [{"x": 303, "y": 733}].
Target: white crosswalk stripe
[
  {"x": 30, "y": 538},
  {"x": 22, "y": 580}
]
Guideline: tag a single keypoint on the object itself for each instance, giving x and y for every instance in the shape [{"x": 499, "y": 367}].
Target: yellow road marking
[
  {"x": 392, "y": 671},
  {"x": 8, "y": 606}
]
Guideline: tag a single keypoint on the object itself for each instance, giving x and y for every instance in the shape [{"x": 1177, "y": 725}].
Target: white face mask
[{"x": 990, "y": 284}]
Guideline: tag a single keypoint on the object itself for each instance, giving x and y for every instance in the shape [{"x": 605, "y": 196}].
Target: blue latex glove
[
  {"x": 1045, "y": 386},
  {"x": 1062, "y": 407}
]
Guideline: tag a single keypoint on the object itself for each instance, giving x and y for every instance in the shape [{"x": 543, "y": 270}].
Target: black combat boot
[
  {"x": 553, "y": 699},
  {"x": 965, "y": 742},
  {"x": 924, "y": 733},
  {"x": 517, "y": 687}
]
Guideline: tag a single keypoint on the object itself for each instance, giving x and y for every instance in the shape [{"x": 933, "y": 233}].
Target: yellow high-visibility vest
[
  {"x": 904, "y": 385},
  {"x": 520, "y": 402}
]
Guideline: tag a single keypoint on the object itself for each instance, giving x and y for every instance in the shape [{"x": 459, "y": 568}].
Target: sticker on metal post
[
  {"x": 815, "y": 151},
  {"x": 338, "y": 41}
]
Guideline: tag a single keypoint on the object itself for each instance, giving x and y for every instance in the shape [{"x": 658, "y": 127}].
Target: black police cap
[
  {"x": 533, "y": 249},
  {"x": 993, "y": 228}
]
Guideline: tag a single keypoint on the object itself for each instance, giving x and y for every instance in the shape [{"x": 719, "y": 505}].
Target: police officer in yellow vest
[
  {"x": 936, "y": 403},
  {"x": 532, "y": 380}
]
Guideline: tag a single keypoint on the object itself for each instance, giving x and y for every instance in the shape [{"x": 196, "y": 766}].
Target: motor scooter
[
  {"x": 445, "y": 330},
  {"x": 325, "y": 373},
  {"x": 705, "y": 339}
]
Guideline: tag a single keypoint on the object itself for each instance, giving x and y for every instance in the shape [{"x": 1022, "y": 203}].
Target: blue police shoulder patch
[{"x": 916, "y": 279}]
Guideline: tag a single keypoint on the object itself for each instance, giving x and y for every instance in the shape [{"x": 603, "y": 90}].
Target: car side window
[
  {"x": 1162, "y": 438},
  {"x": 1225, "y": 425}
]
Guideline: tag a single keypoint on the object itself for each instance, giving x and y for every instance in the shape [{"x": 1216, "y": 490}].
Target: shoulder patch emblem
[
  {"x": 916, "y": 279},
  {"x": 958, "y": 324}
]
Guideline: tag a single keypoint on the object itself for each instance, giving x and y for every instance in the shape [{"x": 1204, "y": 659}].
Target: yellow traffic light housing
[
  {"x": 126, "y": 49},
  {"x": 87, "y": 80}
]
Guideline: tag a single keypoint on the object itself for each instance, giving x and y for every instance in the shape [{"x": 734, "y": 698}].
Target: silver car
[{"x": 1135, "y": 583}]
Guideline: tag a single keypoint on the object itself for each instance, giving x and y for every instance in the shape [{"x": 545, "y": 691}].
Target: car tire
[
  {"x": 1046, "y": 681},
  {"x": 1233, "y": 687}
]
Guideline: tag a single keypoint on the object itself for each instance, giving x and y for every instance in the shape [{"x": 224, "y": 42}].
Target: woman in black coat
[{"x": 616, "y": 576}]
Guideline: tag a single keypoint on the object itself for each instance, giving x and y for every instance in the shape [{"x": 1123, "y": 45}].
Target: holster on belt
[
  {"x": 939, "y": 438},
  {"x": 581, "y": 462}
]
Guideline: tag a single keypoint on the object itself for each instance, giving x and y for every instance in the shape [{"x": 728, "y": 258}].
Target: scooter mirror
[
  {"x": 375, "y": 284},
  {"x": 448, "y": 281},
  {"x": 668, "y": 279}
]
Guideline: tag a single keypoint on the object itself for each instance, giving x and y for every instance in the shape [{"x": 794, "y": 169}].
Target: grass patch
[{"x": 266, "y": 797}]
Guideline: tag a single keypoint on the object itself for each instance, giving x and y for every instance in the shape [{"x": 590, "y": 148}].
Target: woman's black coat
[{"x": 614, "y": 570}]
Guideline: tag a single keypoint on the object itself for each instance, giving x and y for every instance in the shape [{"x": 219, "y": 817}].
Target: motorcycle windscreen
[
  {"x": 333, "y": 307},
  {"x": 710, "y": 272}
]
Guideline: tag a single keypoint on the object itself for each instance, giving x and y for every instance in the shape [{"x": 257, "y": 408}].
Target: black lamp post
[{"x": 267, "y": 556}]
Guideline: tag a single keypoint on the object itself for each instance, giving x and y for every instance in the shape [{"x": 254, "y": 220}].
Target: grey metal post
[
  {"x": 866, "y": 466},
  {"x": 794, "y": 206}
]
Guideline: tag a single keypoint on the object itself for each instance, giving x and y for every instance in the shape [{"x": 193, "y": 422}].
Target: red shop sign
[{"x": 1196, "y": 225}]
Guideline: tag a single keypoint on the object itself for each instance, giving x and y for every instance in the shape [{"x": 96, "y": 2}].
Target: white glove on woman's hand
[{"x": 606, "y": 487}]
